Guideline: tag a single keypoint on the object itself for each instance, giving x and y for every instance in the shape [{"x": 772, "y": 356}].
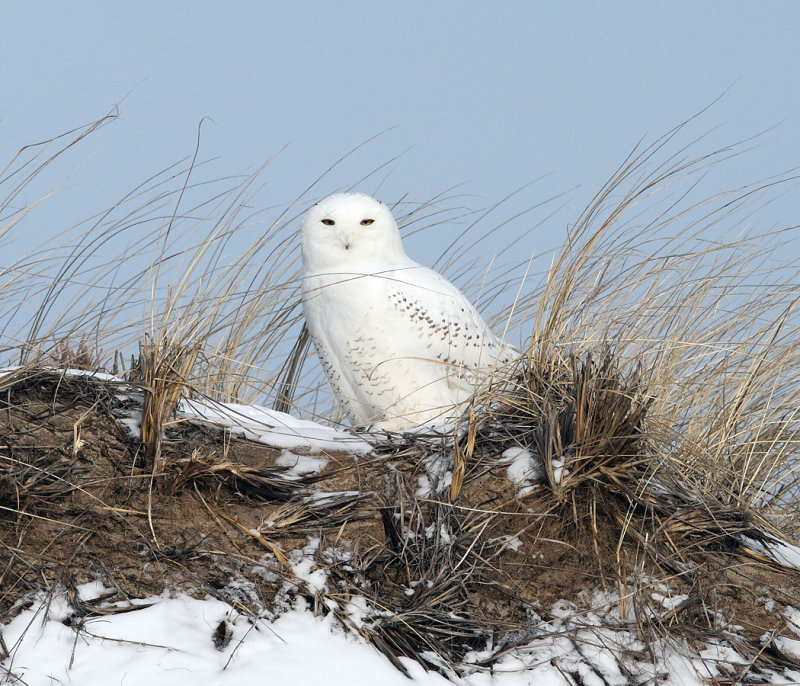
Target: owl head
[{"x": 349, "y": 230}]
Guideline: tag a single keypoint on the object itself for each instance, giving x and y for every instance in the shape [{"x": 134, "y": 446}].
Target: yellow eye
[
  {"x": 328, "y": 222},
  {"x": 366, "y": 222}
]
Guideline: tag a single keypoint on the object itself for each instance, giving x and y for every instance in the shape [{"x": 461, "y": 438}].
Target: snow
[
  {"x": 788, "y": 646},
  {"x": 785, "y": 553},
  {"x": 305, "y": 567},
  {"x": 792, "y": 617},
  {"x": 175, "y": 640},
  {"x": 99, "y": 376},
  {"x": 523, "y": 470},
  {"x": 301, "y": 465},
  {"x": 261, "y": 424},
  {"x": 437, "y": 475},
  {"x": 781, "y": 552},
  {"x": 271, "y": 427},
  {"x": 171, "y": 642}
]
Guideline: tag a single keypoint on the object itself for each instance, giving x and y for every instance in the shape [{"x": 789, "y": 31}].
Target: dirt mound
[{"x": 220, "y": 515}]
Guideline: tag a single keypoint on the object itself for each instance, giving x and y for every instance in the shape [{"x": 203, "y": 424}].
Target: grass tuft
[{"x": 162, "y": 372}]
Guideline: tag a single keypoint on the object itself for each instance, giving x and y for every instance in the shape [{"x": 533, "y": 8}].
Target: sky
[
  {"x": 470, "y": 100},
  {"x": 490, "y": 97}
]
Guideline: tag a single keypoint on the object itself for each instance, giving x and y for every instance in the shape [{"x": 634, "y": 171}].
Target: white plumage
[{"x": 401, "y": 346}]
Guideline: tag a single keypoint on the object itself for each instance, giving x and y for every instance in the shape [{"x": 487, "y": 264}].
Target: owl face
[{"x": 346, "y": 230}]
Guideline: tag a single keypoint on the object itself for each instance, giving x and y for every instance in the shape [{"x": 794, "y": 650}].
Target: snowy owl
[{"x": 401, "y": 346}]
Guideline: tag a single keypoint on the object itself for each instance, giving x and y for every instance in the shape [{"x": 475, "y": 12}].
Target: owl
[{"x": 400, "y": 345}]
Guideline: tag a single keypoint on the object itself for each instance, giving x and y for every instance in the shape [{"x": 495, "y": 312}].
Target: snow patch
[
  {"x": 301, "y": 465},
  {"x": 273, "y": 428},
  {"x": 781, "y": 552},
  {"x": 170, "y": 642},
  {"x": 524, "y": 470}
]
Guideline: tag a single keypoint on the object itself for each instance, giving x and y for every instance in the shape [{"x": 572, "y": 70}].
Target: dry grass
[
  {"x": 659, "y": 392},
  {"x": 162, "y": 372},
  {"x": 65, "y": 354}
]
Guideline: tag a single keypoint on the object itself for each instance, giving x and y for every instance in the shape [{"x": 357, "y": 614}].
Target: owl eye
[
  {"x": 328, "y": 222},
  {"x": 366, "y": 222}
]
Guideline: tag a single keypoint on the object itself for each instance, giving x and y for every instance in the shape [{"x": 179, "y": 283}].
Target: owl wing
[{"x": 444, "y": 326}]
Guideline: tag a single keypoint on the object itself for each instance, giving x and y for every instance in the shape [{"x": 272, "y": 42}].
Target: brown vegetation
[{"x": 81, "y": 500}]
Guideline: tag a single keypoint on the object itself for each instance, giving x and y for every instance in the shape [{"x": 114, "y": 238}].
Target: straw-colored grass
[{"x": 659, "y": 392}]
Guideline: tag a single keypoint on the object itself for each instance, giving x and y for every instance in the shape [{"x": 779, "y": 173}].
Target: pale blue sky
[{"x": 485, "y": 96}]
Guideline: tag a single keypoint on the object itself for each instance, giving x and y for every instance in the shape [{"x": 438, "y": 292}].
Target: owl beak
[{"x": 346, "y": 241}]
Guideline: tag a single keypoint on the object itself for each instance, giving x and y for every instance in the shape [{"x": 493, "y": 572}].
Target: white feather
[{"x": 401, "y": 346}]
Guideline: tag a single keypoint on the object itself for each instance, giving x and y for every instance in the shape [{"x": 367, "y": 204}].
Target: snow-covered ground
[
  {"x": 171, "y": 641},
  {"x": 176, "y": 641}
]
